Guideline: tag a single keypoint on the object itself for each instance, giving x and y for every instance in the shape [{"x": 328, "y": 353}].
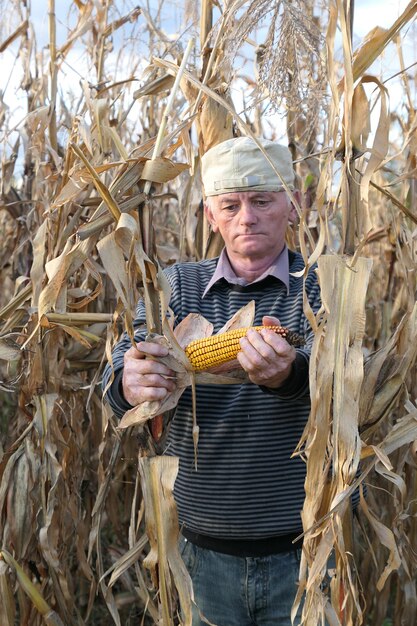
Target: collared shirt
[{"x": 279, "y": 268}]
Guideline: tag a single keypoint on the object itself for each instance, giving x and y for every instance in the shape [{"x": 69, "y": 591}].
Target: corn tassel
[{"x": 217, "y": 349}]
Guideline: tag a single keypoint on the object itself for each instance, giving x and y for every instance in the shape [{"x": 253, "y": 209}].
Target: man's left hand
[{"x": 266, "y": 356}]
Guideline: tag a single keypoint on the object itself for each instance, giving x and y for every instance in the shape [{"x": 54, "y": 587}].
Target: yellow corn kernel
[{"x": 217, "y": 349}]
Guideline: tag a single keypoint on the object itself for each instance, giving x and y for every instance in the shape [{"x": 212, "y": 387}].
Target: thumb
[{"x": 269, "y": 320}]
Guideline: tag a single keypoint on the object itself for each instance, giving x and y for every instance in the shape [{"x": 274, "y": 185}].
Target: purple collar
[{"x": 279, "y": 269}]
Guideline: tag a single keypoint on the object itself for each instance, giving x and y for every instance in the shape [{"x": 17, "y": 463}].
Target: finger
[
  {"x": 250, "y": 359},
  {"x": 147, "y": 366},
  {"x": 135, "y": 368},
  {"x": 138, "y": 395},
  {"x": 147, "y": 348},
  {"x": 140, "y": 362},
  {"x": 280, "y": 346},
  {"x": 149, "y": 394},
  {"x": 255, "y": 346},
  {"x": 269, "y": 320},
  {"x": 156, "y": 380},
  {"x": 139, "y": 387},
  {"x": 152, "y": 349},
  {"x": 244, "y": 362}
]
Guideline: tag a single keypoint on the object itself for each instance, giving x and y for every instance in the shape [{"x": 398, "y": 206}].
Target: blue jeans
[{"x": 241, "y": 591}]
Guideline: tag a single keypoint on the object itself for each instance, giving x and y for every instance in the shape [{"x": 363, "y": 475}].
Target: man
[{"x": 240, "y": 510}]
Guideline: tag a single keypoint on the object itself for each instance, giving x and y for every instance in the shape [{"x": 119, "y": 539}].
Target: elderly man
[{"x": 240, "y": 510}]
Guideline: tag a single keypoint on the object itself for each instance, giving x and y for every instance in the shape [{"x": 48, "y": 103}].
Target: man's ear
[
  {"x": 208, "y": 211},
  {"x": 293, "y": 214}
]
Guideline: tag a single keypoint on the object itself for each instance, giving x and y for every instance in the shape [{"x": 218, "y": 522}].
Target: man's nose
[{"x": 247, "y": 213}]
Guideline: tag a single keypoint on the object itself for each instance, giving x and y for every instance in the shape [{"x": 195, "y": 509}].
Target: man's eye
[
  {"x": 230, "y": 207},
  {"x": 261, "y": 203}
]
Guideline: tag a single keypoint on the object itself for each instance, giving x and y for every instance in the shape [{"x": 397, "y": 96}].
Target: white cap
[{"x": 239, "y": 165}]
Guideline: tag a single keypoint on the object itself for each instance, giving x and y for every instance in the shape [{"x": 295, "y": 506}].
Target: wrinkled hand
[
  {"x": 144, "y": 378},
  {"x": 266, "y": 356}
]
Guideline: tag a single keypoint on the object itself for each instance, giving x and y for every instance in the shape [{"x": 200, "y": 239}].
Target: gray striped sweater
[{"x": 246, "y": 485}]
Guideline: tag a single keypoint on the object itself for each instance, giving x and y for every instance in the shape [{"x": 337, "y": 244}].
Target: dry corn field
[{"x": 105, "y": 110}]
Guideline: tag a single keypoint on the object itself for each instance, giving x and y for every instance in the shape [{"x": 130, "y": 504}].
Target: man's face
[{"x": 252, "y": 223}]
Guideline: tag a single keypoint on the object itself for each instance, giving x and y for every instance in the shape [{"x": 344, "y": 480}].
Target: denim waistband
[{"x": 244, "y": 547}]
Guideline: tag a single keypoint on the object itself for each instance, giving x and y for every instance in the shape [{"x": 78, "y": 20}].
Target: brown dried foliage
[{"x": 72, "y": 518}]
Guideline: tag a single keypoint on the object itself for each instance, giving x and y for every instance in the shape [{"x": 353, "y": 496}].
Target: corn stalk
[{"x": 346, "y": 401}]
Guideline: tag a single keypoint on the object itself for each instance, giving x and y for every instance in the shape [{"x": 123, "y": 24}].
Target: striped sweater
[{"x": 246, "y": 485}]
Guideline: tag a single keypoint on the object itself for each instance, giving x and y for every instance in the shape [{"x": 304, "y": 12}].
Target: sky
[{"x": 367, "y": 15}]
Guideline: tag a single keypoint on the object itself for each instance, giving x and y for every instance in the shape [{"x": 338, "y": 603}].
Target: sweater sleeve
[{"x": 296, "y": 386}]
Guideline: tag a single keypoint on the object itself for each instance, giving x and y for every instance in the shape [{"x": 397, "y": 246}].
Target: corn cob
[{"x": 218, "y": 349}]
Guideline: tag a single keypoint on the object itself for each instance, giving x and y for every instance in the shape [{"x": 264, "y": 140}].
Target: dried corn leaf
[
  {"x": 100, "y": 186},
  {"x": 379, "y": 148},
  {"x": 82, "y": 336},
  {"x": 391, "y": 476},
  {"x": 63, "y": 267},
  {"x": 385, "y": 373},
  {"x": 403, "y": 433},
  {"x": 20, "y": 30},
  {"x": 37, "y": 269},
  {"x": 361, "y": 118},
  {"x": 117, "y": 23},
  {"x": 7, "y": 603},
  {"x": 161, "y": 170},
  {"x": 117, "y": 142},
  {"x": 23, "y": 472},
  {"x": 114, "y": 263},
  {"x": 158, "y": 475},
  {"x": 50, "y": 616},
  {"x": 128, "y": 559},
  {"x": 85, "y": 22},
  {"x": 386, "y": 537},
  {"x": 336, "y": 371},
  {"x": 194, "y": 326},
  {"x": 215, "y": 122},
  {"x": 8, "y": 166},
  {"x": 16, "y": 301},
  {"x": 123, "y": 244},
  {"x": 243, "y": 318},
  {"x": 9, "y": 349},
  {"x": 155, "y": 86},
  {"x": 71, "y": 190},
  {"x": 38, "y": 120},
  {"x": 377, "y": 39}
]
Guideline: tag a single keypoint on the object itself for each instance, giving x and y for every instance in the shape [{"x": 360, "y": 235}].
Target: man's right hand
[{"x": 144, "y": 378}]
